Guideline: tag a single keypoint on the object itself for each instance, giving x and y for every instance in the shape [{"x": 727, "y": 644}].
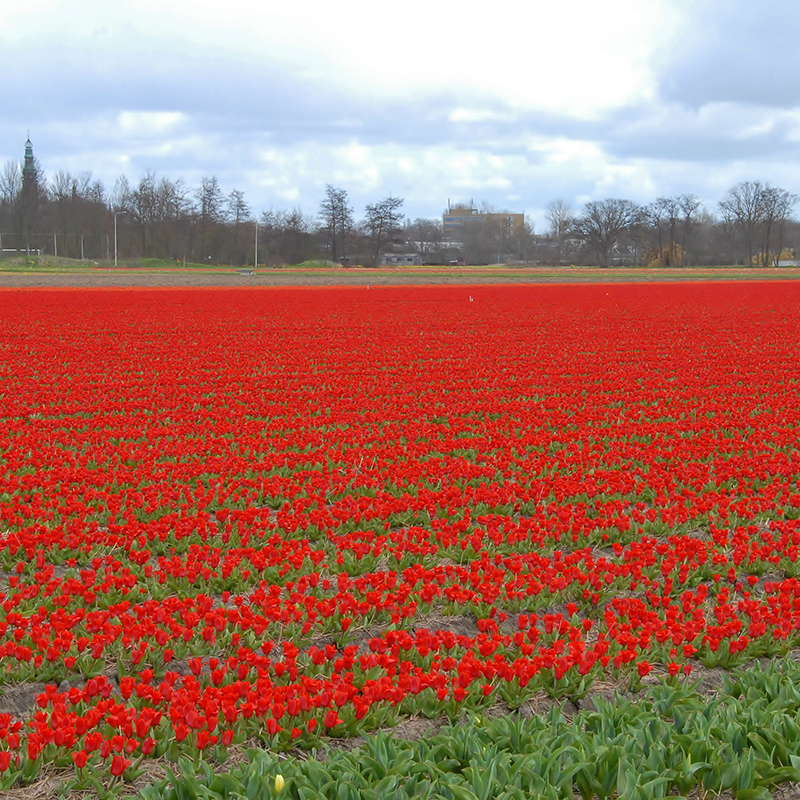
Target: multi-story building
[{"x": 459, "y": 215}]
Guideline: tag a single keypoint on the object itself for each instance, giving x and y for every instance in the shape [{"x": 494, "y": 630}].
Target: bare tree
[
  {"x": 670, "y": 220},
  {"x": 267, "y": 237},
  {"x": 663, "y": 216},
  {"x": 603, "y": 222},
  {"x": 560, "y": 217},
  {"x": 754, "y": 213},
  {"x": 143, "y": 208},
  {"x": 211, "y": 212},
  {"x": 382, "y": 224},
  {"x": 425, "y": 235},
  {"x": 286, "y": 237},
  {"x": 238, "y": 214},
  {"x": 61, "y": 186},
  {"x": 777, "y": 205},
  {"x": 742, "y": 212},
  {"x": 690, "y": 205},
  {"x": 491, "y": 238},
  {"x": 297, "y": 242},
  {"x": 63, "y": 193},
  {"x": 10, "y": 182},
  {"x": 120, "y": 194},
  {"x": 238, "y": 207},
  {"x": 11, "y": 200},
  {"x": 95, "y": 191},
  {"x": 336, "y": 220},
  {"x": 155, "y": 208},
  {"x": 173, "y": 209},
  {"x": 93, "y": 218}
]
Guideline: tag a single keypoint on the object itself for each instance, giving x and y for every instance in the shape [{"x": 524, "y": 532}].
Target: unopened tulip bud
[{"x": 279, "y": 783}]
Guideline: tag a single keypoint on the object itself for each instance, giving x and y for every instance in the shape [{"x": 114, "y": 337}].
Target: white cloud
[
  {"x": 477, "y": 115},
  {"x": 149, "y": 124},
  {"x": 562, "y": 151},
  {"x": 576, "y": 56}
]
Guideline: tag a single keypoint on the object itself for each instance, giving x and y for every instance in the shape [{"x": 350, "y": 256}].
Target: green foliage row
[{"x": 666, "y": 744}]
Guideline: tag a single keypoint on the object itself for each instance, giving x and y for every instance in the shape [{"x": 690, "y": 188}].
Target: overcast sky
[{"x": 510, "y": 103}]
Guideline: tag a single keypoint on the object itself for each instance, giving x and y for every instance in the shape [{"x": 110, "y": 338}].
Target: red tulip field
[{"x": 290, "y": 515}]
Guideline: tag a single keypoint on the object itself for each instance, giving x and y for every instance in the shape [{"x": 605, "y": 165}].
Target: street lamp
[
  {"x": 116, "y": 214},
  {"x": 255, "y": 260}
]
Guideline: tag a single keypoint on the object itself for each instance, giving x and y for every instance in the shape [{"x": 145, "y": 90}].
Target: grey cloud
[
  {"x": 708, "y": 150},
  {"x": 244, "y": 100},
  {"x": 739, "y": 51},
  {"x": 713, "y": 135}
]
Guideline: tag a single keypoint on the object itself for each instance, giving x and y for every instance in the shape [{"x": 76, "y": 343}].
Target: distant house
[{"x": 401, "y": 260}]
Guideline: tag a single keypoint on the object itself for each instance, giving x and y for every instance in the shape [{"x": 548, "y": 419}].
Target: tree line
[
  {"x": 75, "y": 216},
  {"x": 754, "y": 226}
]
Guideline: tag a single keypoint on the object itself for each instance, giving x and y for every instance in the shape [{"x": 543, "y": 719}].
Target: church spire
[{"x": 29, "y": 169}]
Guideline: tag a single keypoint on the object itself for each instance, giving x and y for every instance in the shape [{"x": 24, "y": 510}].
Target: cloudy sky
[{"x": 513, "y": 104}]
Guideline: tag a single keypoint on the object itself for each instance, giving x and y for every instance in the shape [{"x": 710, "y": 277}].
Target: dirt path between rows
[{"x": 266, "y": 278}]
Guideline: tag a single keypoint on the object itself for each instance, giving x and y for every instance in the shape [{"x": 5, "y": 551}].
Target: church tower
[
  {"x": 29, "y": 168},
  {"x": 29, "y": 199}
]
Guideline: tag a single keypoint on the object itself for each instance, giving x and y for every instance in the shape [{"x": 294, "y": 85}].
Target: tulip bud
[{"x": 278, "y": 783}]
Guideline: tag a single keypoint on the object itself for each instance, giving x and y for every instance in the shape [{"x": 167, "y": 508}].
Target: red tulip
[{"x": 119, "y": 764}]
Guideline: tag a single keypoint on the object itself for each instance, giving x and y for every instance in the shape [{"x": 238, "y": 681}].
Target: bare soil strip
[{"x": 349, "y": 277}]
